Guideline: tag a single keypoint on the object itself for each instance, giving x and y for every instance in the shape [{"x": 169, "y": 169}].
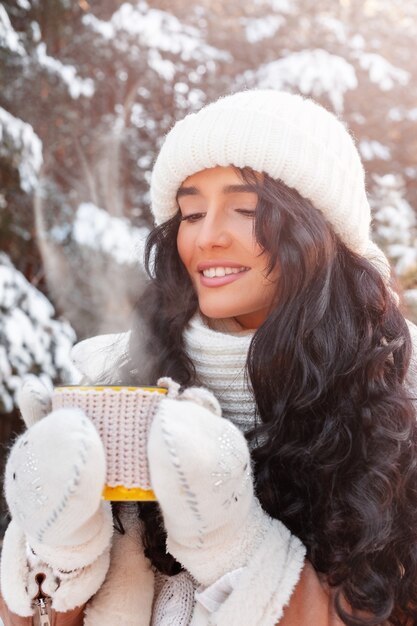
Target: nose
[{"x": 213, "y": 231}]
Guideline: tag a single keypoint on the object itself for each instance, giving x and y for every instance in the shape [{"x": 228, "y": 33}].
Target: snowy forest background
[{"x": 88, "y": 90}]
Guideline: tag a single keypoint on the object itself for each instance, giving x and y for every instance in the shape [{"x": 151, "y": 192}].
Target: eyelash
[
  {"x": 247, "y": 212},
  {"x": 194, "y": 217}
]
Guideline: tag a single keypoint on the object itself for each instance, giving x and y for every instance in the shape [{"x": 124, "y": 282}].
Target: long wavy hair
[{"x": 338, "y": 459}]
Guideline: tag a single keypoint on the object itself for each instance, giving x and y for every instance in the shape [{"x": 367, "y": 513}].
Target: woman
[{"x": 267, "y": 290}]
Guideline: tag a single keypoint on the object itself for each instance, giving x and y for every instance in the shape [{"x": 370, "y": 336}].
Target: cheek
[
  {"x": 184, "y": 247},
  {"x": 268, "y": 280},
  {"x": 260, "y": 258}
]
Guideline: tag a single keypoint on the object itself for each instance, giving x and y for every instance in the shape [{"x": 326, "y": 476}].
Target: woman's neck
[{"x": 223, "y": 325}]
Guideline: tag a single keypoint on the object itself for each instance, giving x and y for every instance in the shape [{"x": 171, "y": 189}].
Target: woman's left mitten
[{"x": 201, "y": 474}]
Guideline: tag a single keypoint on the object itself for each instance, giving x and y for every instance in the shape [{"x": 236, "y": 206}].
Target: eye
[
  {"x": 246, "y": 212},
  {"x": 193, "y": 217}
]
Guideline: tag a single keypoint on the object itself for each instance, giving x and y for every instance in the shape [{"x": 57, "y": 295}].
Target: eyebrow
[{"x": 194, "y": 191}]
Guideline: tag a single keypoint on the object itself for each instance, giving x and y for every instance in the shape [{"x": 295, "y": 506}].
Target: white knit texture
[
  {"x": 175, "y": 601},
  {"x": 122, "y": 418},
  {"x": 220, "y": 360},
  {"x": 287, "y": 136}
]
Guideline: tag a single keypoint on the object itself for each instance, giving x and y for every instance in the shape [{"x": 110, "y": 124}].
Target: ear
[
  {"x": 34, "y": 400},
  {"x": 203, "y": 397}
]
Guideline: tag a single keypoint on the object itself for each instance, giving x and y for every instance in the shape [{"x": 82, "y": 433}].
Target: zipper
[
  {"x": 42, "y": 605},
  {"x": 43, "y": 611}
]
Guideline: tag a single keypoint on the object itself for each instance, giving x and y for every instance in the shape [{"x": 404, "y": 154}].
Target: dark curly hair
[{"x": 337, "y": 462}]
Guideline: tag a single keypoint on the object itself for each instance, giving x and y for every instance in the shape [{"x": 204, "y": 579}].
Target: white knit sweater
[{"x": 219, "y": 353}]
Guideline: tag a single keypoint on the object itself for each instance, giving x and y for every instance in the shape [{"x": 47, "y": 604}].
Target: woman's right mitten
[{"x": 60, "y": 527}]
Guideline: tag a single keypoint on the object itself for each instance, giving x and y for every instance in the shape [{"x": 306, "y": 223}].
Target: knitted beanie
[{"x": 287, "y": 136}]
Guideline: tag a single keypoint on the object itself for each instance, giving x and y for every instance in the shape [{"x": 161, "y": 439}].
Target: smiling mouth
[
  {"x": 219, "y": 276},
  {"x": 214, "y": 272}
]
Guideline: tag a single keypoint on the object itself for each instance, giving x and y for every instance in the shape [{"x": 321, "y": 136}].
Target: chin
[{"x": 217, "y": 313}]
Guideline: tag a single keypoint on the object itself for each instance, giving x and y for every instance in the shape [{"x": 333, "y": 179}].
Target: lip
[{"x": 218, "y": 263}]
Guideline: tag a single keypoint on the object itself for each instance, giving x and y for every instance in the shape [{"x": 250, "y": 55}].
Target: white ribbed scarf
[{"x": 219, "y": 355}]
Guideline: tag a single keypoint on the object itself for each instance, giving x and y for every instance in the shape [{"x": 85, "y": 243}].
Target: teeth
[{"x": 222, "y": 271}]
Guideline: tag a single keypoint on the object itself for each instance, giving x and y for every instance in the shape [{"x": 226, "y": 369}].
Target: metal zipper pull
[
  {"x": 42, "y": 604},
  {"x": 43, "y": 611}
]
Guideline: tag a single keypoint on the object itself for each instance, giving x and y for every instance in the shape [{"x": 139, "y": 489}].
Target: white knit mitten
[
  {"x": 201, "y": 474},
  {"x": 53, "y": 483}
]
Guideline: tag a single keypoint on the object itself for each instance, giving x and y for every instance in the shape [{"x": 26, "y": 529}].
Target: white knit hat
[{"x": 287, "y": 136}]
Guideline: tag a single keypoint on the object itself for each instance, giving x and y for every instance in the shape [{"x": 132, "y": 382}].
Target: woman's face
[{"x": 217, "y": 246}]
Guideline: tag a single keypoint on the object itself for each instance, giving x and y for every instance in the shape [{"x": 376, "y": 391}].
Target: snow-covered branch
[
  {"x": 9, "y": 38},
  {"x": 312, "y": 72},
  {"x": 94, "y": 228},
  {"x": 19, "y": 142},
  {"x": 155, "y": 29},
  {"x": 32, "y": 340},
  {"x": 76, "y": 85}
]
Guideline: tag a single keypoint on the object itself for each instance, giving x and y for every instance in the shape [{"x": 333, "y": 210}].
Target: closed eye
[
  {"x": 193, "y": 217},
  {"x": 247, "y": 212}
]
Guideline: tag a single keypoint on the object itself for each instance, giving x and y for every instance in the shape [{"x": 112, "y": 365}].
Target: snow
[
  {"x": 36, "y": 31},
  {"x": 374, "y": 150},
  {"x": 18, "y": 136},
  {"x": 280, "y": 6},
  {"x": 76, "y": 86},
  {"x": 410, "y": 297},
  {"x": 96, "y": 229},
  {"x": 32, "y": 340},
  {"x": 382, "y": 72},
  {"x": 313, "y": 72},
  {"x": 138, "y": 115},
  {"x": 155, "y": 29},
  {"x": 189, "y": 99},
  {"x": 396, "y": 114},
  {"x": 405, "y": 257},
  {"x": 334, "y": 26},
  {"x": 357, "y": 43},
  {"x": 165, "y": 68},
  {"x": 9, "y": 38},
  {"x": 401, "y": 114},
  {"x": 412, "y": 114},
  {"x": 257, "y": 29},
  {"x": 395, "y": 223}
]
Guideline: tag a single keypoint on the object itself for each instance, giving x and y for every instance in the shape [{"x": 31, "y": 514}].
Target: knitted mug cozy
[{"x": 122, "y": 417}]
